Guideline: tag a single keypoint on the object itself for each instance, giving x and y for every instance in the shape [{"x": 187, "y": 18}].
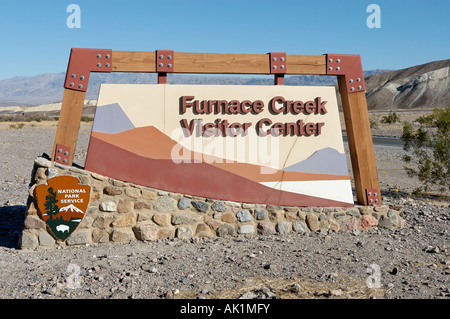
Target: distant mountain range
[
  {"x": 48, "y": 88},
  {"x": 422, "y": 86}
]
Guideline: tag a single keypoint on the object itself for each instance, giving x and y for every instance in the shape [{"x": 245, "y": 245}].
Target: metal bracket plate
[
  {"x": 277, "y": 62},
  {"x": 350, "y": 66},
  {"x": 373, "y": 196},
  {"x": 278, "y": 66},
  {"x": 62, "y": 154},
  {"x": 84, "y": 61},
  {"x": 164, "y": 61}
]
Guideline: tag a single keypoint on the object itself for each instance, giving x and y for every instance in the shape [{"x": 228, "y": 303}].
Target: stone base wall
[{"x": 121, "y": 212}]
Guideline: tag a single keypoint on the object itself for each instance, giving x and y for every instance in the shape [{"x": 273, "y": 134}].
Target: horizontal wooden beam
[
  {"x": 133, "y": 61},
  {"x": 221, "y": 63},
  {"x": 306, "y": 64},
  {"x": 217, "y": 63}
]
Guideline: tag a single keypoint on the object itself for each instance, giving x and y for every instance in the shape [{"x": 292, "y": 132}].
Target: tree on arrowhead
[{"x": 51, "y": 207}]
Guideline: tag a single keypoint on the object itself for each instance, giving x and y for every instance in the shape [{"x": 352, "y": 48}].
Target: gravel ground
[{"x": 412, "y": 262}]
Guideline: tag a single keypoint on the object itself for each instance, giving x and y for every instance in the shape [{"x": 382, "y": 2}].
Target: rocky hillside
[{"x": 422, "y": 86}]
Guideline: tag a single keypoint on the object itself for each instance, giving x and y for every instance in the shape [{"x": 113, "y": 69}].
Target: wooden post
[
  {"x": 359, "y": 141},
  {"x": 69, "y": 122}
]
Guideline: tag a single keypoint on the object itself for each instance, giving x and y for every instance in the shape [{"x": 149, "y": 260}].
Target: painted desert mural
[{"x": 146, "y": 145}]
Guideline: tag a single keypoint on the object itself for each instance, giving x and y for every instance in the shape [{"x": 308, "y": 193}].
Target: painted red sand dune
[
  {"x": 200, "y": 179},
  {"x": 150, "y": 142}
]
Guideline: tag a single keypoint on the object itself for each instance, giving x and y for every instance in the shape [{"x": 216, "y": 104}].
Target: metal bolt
[
  {"x": 108, "y": 56},
  {"x": 274, "y": 59},
  {"x": 330, "y": 60},
  {"x": 338, "y": 60},
  {"x": 65, "y": 160},
  {"x": 80, "y": 86},
  {"x": 371, "y": 200},
  {"x": 359, "y": 87},
  {"x": 376, "y": 200},
  {"x": 351, "y": 81},
  {"x": 338, "y": 68},
  {"x": 358, "y": 79},
  {"x": 82, "y": 77},
  {"x": 99, "y": 64},
  {"x": 73, "y": 75},
  {"x": 72, "y": 84},
  {"x": 66, "y": 153},
  {"x": 58, "y": 158},
  {"x": 282, "y": 58},
  {"x": 352, "y": 88},
  {"x": 282, "y": 66},
  {"x": 169, "y": 65},
  {"x": 330, "y": 68},
  {"x": 274, "y": 67},
  {"x": 161, "y": 65},
  {"x": 99, "y": 56},
  {"x": 161, "y": 56},
  {"x": 369, "y": 194},
  {"x": 169, "y": 57},
  {"x": 108, "y": 65},
  {"x": 375, "y": 194},
  {"x": 60, "y": 150}
]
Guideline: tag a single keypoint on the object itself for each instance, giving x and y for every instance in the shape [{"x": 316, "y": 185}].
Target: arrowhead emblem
[{"x": 62, "y": 204}]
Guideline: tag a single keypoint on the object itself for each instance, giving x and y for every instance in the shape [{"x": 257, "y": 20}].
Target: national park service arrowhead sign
[{"x": 62, "y": 204}]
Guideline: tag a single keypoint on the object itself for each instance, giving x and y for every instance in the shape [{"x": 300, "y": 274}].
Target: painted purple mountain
[
  {"x": 324, "y": 161},
  {"x": 111, "y": 119}
]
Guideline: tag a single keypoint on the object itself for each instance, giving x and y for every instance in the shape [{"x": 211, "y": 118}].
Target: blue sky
[{"x": 35, "y": 39}]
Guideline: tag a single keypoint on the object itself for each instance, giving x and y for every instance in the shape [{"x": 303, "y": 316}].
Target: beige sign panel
[{"x": 259, "y": 144}]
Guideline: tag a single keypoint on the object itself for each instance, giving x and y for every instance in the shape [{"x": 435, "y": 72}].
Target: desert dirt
[{"x": 411, "y": 262}]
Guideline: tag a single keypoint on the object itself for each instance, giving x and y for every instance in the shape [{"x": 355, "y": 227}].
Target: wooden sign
[
  {"x": 257, "y": 144},
  {"x": 62, "y": 204},
  {"x": 346, "y": 67}
]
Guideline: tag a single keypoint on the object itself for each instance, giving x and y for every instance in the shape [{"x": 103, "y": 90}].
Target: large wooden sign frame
[{"x": 347, "y": 68}]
